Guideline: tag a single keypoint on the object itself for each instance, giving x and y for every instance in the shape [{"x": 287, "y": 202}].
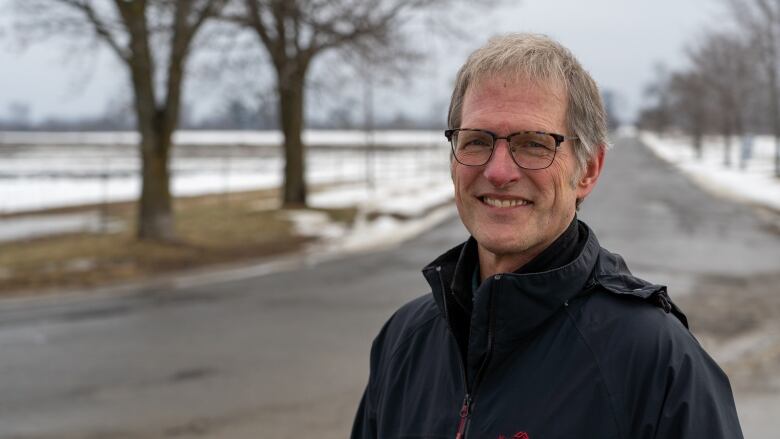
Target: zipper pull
[{"x": 464, "y": 414}]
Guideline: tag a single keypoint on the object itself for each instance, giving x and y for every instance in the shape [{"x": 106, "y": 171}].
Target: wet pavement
[{"x": 285, "y": 355}]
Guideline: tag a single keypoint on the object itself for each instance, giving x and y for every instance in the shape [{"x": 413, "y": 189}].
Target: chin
[{"x": 501, "y": 243}]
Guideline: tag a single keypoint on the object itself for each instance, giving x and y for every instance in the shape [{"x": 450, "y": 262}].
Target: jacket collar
[
  {"x": 509, "y": 306},
  {"x": 527, "y": 299}
]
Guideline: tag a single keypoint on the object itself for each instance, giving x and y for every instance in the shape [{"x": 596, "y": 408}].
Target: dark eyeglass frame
[{"x": 559, "y": 138}]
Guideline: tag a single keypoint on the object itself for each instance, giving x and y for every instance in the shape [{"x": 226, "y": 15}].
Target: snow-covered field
[
  {"x": 403, "y": 176},
  {"x": 45, "y": 170},
  {"x": 754, "y": 184}
]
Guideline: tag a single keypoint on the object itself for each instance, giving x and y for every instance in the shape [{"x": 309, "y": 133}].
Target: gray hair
[{"x": 541, "y": 59}]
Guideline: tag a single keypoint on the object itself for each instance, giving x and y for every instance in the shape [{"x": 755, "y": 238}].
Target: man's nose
[{"x": 501, "y": 170}]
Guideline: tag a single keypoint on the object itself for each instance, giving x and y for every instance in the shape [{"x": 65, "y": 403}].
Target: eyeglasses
[{"x": 529, "y": 149}]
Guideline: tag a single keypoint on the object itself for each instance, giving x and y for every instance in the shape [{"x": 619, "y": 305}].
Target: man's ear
[{"x": 591, "y": 173}]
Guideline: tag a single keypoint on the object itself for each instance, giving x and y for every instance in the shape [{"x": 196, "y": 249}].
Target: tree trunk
[
  {"x": 774, "y": 106},
  {"x": 697, "y": 143},
  {"x": 155, "y": 219},
  {"x": 777, "y": 155},
  {"x": 727, "y": 133},
  {"x": 739, "y": 126},
  {"x": 155, "y": 213},
  {"x": 727, "y": 149},
  {"x": 291, "y": 98}
]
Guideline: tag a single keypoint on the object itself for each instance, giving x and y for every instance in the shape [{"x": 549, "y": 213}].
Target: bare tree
[
  {"x": 295, "y": 32},
  {"x": 690, "y": 102},
  {"x": 680, "y": 100},
  {"x": 153, "y": 40},
  {"x": 723, "y": 63},
  {"x": 657, "y": 114},
  {"x": 760, "y": 20}
]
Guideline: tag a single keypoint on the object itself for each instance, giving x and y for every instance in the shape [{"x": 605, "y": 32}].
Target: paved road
[
  {"x": 662, "y": 223},
  {"x": 285, "y": 355}
]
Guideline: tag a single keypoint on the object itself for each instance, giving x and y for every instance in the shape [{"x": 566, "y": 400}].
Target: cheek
[
  {"x": 567, "y": 172},
  {"x": 462, "y": 177},
  {"x": 559, "y": 185},
  {"x": 457, "y": 184}
]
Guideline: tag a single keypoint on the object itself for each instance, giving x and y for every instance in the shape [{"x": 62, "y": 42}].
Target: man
[{"x": 532, "y": 329}]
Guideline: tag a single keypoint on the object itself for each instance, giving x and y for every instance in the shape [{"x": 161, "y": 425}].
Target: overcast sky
[{"x": 618, "y": 41}]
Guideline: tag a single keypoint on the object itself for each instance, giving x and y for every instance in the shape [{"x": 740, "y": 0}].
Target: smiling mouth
[{"x": 504, "y": 203}]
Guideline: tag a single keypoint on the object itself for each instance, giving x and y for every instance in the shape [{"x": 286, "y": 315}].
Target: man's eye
[
  {"x": 476, "y": 142},
  {"x": 530, "y": 144}
]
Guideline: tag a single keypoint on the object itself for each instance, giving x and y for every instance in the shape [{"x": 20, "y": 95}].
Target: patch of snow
[
  {"x": 411, "y": 197},
  {"x": 418, "y": 200},
  {"x": 340, "y": 197},
  {"x": 398, "y": 211},
  {"x": 755, "y": 183},
  {"x": 25, "y": 227},
  {"x": 314, "y": 224},
  {"x": 387, "y": 232}
]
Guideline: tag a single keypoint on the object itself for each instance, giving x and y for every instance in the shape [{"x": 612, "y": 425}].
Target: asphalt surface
[{"x": 285, "y": 355}]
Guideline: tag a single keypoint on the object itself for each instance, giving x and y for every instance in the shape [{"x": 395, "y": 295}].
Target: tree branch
[
  {"x": 255, "y": 22},
  {"x": 100, "y": 28}
]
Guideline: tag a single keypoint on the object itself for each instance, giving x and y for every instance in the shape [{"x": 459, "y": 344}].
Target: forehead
[{"x": 505, "y": 100}]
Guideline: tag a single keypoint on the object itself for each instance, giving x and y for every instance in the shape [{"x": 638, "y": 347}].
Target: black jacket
[{"x": 582, "y": 351}]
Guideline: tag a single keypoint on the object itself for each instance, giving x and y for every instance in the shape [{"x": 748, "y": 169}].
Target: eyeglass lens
[{"x": 530, "y": 150}]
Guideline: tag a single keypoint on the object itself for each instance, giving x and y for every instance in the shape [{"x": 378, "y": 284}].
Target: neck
[
  {"x": 491, "y": 263},
  {"x": 545, "y": 257}
]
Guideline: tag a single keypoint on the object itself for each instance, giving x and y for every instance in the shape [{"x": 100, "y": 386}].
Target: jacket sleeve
[
  {"x": 673, "y": 388},
  {"x": 370, "y": 419},
  {"x": 365, "y": 425},
  {"x": 697, "y": 399}
]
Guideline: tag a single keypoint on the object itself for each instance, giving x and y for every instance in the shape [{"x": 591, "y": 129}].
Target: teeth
[{"x": 504, "y": 203}]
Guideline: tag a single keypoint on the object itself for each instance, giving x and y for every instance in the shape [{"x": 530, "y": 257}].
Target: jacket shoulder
[
  {"x": 655, "y": 370},
  {"x": 614, "y": 320},
  {"x": 407, "y": 321}
]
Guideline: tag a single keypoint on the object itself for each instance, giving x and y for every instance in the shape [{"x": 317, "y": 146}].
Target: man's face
[{"x": 545, "y": 198}]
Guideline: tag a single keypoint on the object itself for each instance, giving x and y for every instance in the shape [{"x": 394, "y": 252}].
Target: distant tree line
[
  {"x": 731, "y": 86},
  {"x": 231, "y": 114}
]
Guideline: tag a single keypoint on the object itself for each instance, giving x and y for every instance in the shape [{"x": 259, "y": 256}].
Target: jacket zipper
[
  {"x": 466, "y": 408},
  {"x": 464, "y": 416}
]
